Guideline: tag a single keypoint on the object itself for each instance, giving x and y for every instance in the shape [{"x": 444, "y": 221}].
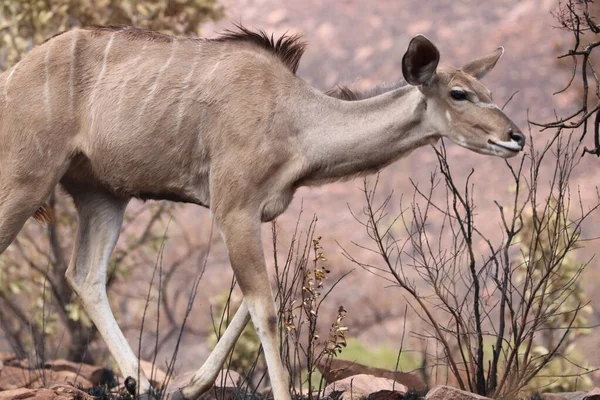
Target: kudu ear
[
  {"x": 480, "y": 67},
  {"x": 420, "y": 61}
]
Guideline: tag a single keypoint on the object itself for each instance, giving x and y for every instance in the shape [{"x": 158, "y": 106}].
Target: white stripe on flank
[
  {"x": 38, "y": 146},
  {"x": 186, "y": 85},
  {"x": 212, "y": 71},
  {"x": 12, "y": 71},
  {"x": 100, "y": 76},
  {"x": 47, "y": 105},
  {"x": 157, "y": 79},
  {"x": 72, "y": 72},
  {"x": 200, "y": 124},
  {"x": 125, "y": 82}
]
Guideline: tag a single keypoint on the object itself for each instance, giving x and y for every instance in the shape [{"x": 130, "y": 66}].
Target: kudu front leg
[
  {"x": 241, "y": 233},
  {"x": 100, "y": 220}
]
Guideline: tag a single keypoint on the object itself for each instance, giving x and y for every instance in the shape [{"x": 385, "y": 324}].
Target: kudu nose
[{"x": 518, "y": 137}]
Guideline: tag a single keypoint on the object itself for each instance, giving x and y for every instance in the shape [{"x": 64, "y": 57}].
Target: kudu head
[{"x": 458, "y": 105}]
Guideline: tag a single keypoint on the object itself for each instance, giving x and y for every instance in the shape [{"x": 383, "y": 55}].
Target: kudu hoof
[{"x": 131, "y": 387}]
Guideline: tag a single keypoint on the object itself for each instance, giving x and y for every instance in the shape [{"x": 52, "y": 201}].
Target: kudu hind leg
[
  {"x": 100, "y": 220},
  {"x": 19, "y": 201},
  {"x": 205, "y": 377},
  {"x": 13, "y": 216}
]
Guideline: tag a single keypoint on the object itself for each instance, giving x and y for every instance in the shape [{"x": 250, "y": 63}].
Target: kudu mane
[
  {"x": 288, "y": 48},
  {"x": 343, "y": 92}
]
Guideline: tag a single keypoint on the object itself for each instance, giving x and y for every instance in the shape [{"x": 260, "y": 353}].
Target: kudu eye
[{"x": 458, "y": 94}]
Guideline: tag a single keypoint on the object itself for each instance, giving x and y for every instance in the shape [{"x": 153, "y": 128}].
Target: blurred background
[{"x": 355, "y": 42}]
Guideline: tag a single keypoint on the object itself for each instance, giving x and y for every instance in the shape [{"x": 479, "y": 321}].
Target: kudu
[{"x": 114, "y": 113}]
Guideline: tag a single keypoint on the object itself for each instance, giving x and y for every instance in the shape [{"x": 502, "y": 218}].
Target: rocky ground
[{"x": 64, "y": 380}]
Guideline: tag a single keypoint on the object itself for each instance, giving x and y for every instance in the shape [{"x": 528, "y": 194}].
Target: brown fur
[{"x": 132, "y": 33}]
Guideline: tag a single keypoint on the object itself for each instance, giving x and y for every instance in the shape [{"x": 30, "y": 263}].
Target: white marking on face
[
  {"x": 99, "y": 80},
  {"x": 157, "y": 79},
  {"x": 511, "y": 144},
  {"x": 493, "y": 149},
  {"x": 186, "y": 84},
  {"x": 72, "y": 71},
  {"x": 487, "y": 105},
  {"x": 47, "y": 105},
  {"x": 448, "y": 116}
]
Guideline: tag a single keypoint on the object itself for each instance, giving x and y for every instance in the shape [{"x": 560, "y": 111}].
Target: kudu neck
[{"x": 348, "y": 138}]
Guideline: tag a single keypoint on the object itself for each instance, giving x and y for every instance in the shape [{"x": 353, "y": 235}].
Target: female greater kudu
[{"x": 115, "y": 113}]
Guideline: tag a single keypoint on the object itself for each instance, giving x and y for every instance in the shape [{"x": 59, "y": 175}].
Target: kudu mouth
[
  {"x": 510, "y": 145},
  {"x": 515, "y": 144}
]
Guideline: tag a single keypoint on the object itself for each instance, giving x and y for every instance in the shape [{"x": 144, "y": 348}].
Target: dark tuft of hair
[
  {"x": 288, "y": 48},
  {"x": 43, "y": 214},
  {"x": 342, "y": 92}
]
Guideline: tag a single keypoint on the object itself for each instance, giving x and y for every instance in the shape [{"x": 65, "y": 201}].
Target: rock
[
  {"x": 5, "y": 357},
  {"x": 361, "y": 386},
  {"x": 156, "y": 375},
  {"x": 92, "y": 375},
  {"x": 552, "y": 396},
  {"x": 57, "y": 392},
  {"x": 17, "y": 394},
  {"x": 15, "y": 377},
  {"x": 567, "y": 396},
  {"x": 386, "y": 395},
  {"x": 69, "y": 392},
  {"x": 228, "y": 378},
  {"x": 226, "y": 393},
  {"x": 335, "y": 369},
  {"x": 179, "y": 381},
  {"x": 450, "y": 393},
  {"x": 51, "y": 377},
  {"x": 47, "y": 394},
  {"x": 593, "y": 394}
]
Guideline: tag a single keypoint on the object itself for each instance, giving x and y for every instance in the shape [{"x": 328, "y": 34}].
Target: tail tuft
[{"x": 43, "y": 214}]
